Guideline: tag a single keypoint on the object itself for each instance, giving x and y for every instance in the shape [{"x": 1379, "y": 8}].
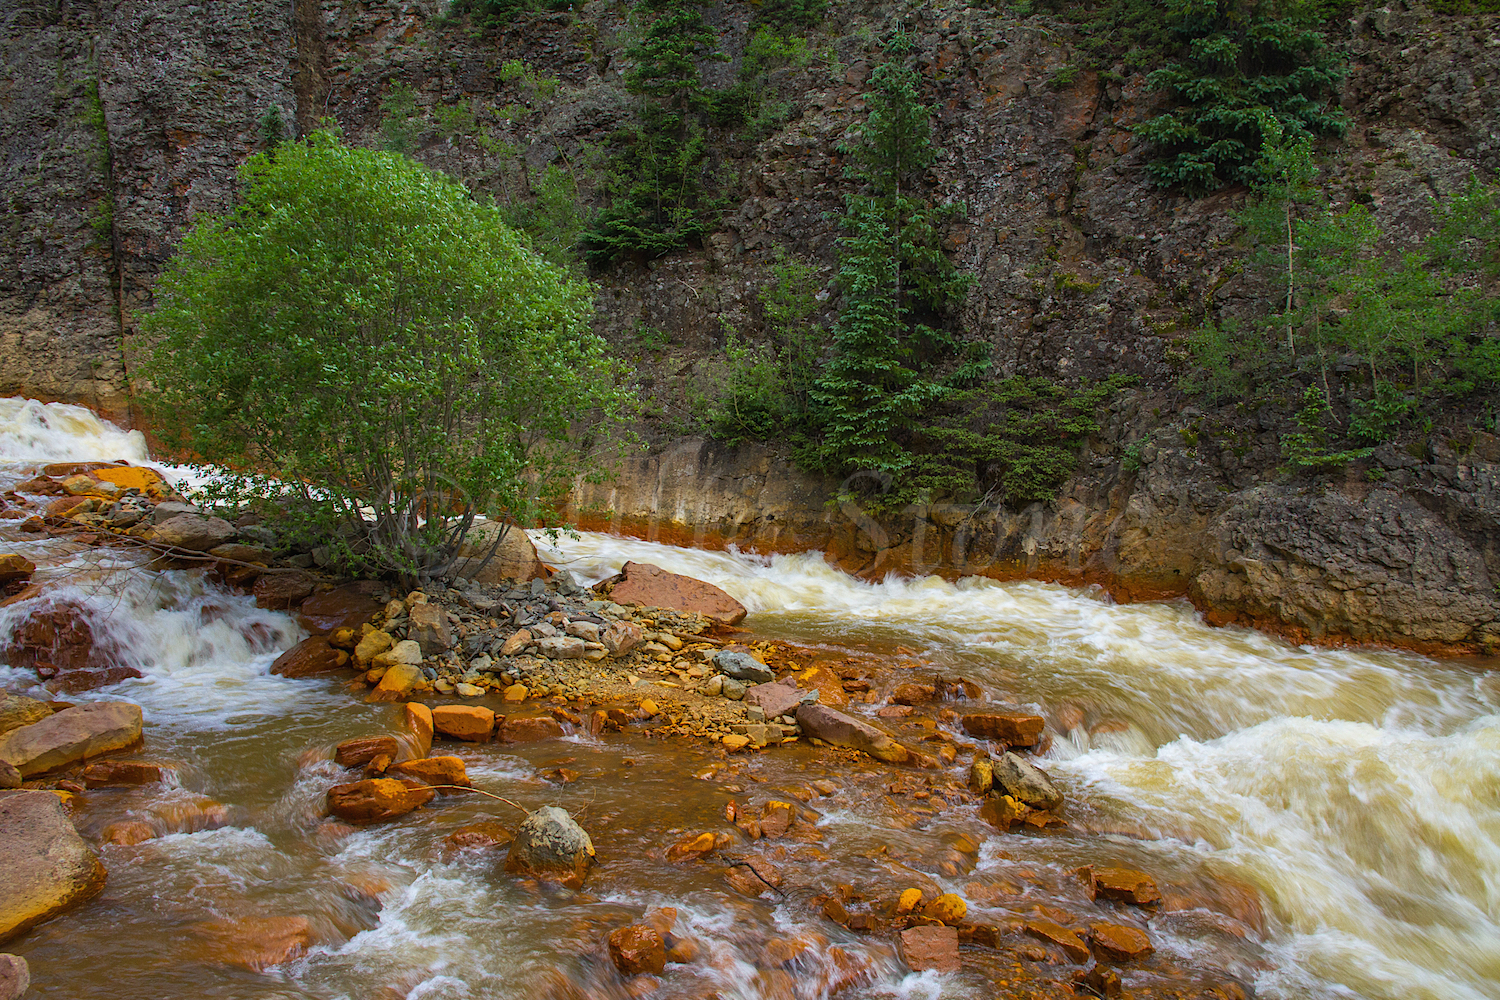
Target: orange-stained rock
[
  {"x": 753, "y": 876},
  {"x": 913, "y": 694},
  {"x": 396, "y": 683},
  {"x": 128, "y": 833},
  {"x": 949, "y": 908},
  {"x": 1125, "y": 885},
  {"x": 190, "y": 814},
  {"x": 908, "y": 901},
  {"x": 133, "y": 477},
  {"x": 15, "y": 567},
  {"x": 480, "y": 835},
  {"x": 1118, "y": 943},
  {"x": 255, "y": 943},
  {"x": 115, "y": 773},
  {"x": 349, "y": 606},
  {"x": 931, "y": 947},
  {"x": 472, "y": 723},
  {"x": 691, "y": 848},
  {"x": 819, "y": 677},
  {"x": 652, "y": 586},
  {"x": 418, "y": 721},
  {"x": 1069, "y": 940},
  {"x": 1013, "y": 730},
  {"x": 46, "y": 866},
  {"x": 433, "y": 771},
  {"x": 530, "y": 730},
  {"x": 636, "y": 949},
  {"x": 311, "y": 656},
  {"x": 777, "y": 819},
  {"x": 362, "y": 749},
  {"x": 375, "y": 799}
]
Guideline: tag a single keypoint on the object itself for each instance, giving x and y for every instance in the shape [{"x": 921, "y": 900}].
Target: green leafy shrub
[{"x": 376, "y": 357}]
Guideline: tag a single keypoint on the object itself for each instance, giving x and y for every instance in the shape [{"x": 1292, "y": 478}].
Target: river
[{"x": 1328, "y": 819}]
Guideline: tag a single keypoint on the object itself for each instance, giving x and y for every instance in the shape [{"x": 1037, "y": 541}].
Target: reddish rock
[
  {"x": 753, "y": 876},
  {"x": 375, "y": 799},
  {"x": 349, "y": 606},
  {"x": 913, "y": 694},
  {"x": 471, "y": 723},
  {"x": 362, "y": 749},
  {"x": 1011, "y": 729},
  {"x": 776, "y": 698},
  {"x": 310, "y": 656},
  {"x": 842, "y": 730},
  {"x": 1070, "y": 941},
  {"x": 1118, "y": 943},
  {"x": 282, "y": 591},
  {"x": 692, "y": 848},
  {"x": 15, "y": 567},
  {"x": 1125, "y": 885},
  {"x": 637, "y": 949},
  {"x": 530, "y": 730},
  {"x": 620, "y": 638},
  {"x": 118, "y": 773},
  {"x": 777, "y": 819},
  {"x": 820, "y": 677},
  {"x": 652, "y": 586},
  {"x": 479, "y": 836},
  {"x": 433, "y": 771},
  {"x": 128, "y": 833},
  {"x": 255, "y": 943},
  {"x": 931, "y": 947},
  {"x": 59, "y": 637},
  {"x": 190, "y": 814}
]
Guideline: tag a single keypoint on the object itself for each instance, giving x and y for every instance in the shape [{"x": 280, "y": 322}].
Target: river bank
[{"x": 1305, "y": 813}]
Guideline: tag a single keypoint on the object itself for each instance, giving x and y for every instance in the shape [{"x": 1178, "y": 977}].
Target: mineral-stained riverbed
[{"x": 1323, "y": 823}]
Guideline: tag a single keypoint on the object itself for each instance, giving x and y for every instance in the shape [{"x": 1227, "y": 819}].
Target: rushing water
[{"x": 1335, "y": 812}]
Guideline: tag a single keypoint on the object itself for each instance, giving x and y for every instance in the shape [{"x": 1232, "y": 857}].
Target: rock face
[
  {"x": 48, "y": 868},
  {"x": 652, "y": 586},
  {"x": 841, "y": 730},
  {"x": 72, "y": 735},
  {"x": 550, "y": 846}
]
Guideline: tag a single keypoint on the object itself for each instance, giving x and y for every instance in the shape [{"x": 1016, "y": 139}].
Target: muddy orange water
[{"x": 1325, "y": 823}]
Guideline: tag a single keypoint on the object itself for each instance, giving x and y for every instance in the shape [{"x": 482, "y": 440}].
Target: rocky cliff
[{"x": 121, "y": 121}]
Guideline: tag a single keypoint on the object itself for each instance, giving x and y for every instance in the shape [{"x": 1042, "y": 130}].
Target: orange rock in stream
[
  {"x": 1125, "y": 885},
  {"x": 692, "y": 848},
  {"x": 255, "y": 943},
  {"x": 819, "y": 677},
  {"x": 1070, "y": 941},
  {"x": 116, "y": 773},
  {"x": 1118, "y": 943},
  {"x": 1013, "y": 730},
  {"x": 434, "y": 771},
  {"x": 636, "y": 949},
  {"x": 375, "y": 799},
  {"x": 931, "y": 947},
  {"x": 417, "y": 718},
  {"x": 362, "y": 749},
  {"x": 472, "y": 723}
]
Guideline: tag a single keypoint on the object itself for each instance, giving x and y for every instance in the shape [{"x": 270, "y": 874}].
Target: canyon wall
[{"x": 122, "y": 120}]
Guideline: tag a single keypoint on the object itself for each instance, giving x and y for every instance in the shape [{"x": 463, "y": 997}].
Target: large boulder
[
  {"x": 551, "y": 847},
  {"x": 1026, "y": 782},
  {"x": 194, "y": 532},
  {"x": 72, "y": 735},
  {"x": 830, "y": 726},
  {"x": 18, "y": 710},
  {"x": 514, "y": 559},
  {"x": 48, "y": 868},
  {"x": 652, "y": 586}
]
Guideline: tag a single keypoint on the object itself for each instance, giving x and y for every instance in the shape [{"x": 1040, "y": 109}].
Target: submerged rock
[
  {"x": 1026, "y": 782},
  {"x": 636, "y": 949},
  {"x": 312, "y": 655},
  {"x": 1125, "y": 885},
  {"x": 552, "y": 847},
  {"x": 48, "y": 868},
  {"x": 1118, "y": 943},
  {"x": 72, "y": 735}
]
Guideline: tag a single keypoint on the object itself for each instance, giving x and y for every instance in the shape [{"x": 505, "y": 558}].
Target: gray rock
[
  {"x": 1025, "y": 782},
  {"x": 822, "y": 722},
  {"x": 562, "y": 647},
  {"x": 714, "y": 686},
  {"x": 15, "y": 977},
  {"x": 743, "y": 667},
  {"x": 193, "y": 531},
  {"x": 48, "y": 868},
  {"x": 429, "y": 628},
  {"x": 587, "y": 631},
  {"x": 551, "y": 846},
  {"x": 170, "y": 509},
  {"x": 71, "y": 735},
  {"x": 732, "y": 689}
]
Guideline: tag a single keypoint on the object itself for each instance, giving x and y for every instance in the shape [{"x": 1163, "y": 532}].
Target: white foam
[{"x": 57, "y": 432}]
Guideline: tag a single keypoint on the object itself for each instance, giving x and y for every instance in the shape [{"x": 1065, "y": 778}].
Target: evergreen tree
[{"x": 896, "y": 283}]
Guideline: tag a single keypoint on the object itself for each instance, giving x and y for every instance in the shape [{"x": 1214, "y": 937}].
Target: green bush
[{"x": 376, "y": 357}]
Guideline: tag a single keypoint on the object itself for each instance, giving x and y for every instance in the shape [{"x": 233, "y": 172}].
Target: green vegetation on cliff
[{"x": 360, "y": 323}]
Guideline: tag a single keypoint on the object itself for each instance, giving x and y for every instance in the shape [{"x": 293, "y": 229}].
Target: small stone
[
  {"x": 1123, "y": 884},
  {"x": 732, "y": 689},
  {"x": 563, "y": 647},
  {"x": 429, "y": 628},
  {"x": 981, "y": 775},
  {"x": 908, "y": 901},
  {"x": 15, "y": 977},
  {"x": 736, "y": 742},
  {"x": 517, "y": 642},
  {"x": 516, "y": 693},
  {"x": 468, "y": 690},
  {"x": 371, "y": 646},
  {"x": 1067, "y": 939},
  {"x": 587, "y": 631},
  {"x": 530, "y": 730},
  {"x": 551, "y": 846},
  {"x": 714, "y": 686},
  {"x": 433, "y": 771},
  {"x": 949, "y": 908},
  {"x": 397, "y": 682},
  {"x": 480, "y": 835},
  {"x": 1013, "y": 730},
  {"x": 1118, "y": 943},
  {"x": 361, "y": 750}
]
